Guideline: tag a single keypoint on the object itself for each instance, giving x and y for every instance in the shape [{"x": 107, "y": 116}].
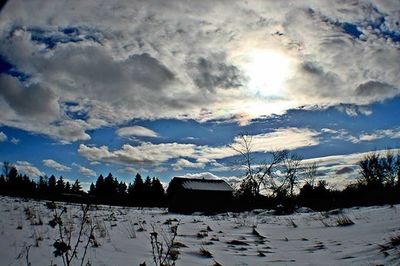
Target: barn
[{"x": 188, "y": 195}]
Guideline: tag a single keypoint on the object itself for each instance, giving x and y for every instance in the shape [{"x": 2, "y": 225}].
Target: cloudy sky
[{"x": 165, "y": 87}]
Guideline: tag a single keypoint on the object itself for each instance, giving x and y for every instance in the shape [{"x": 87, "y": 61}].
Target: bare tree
[
  {"x": 258, "y": 175},
  {"x": 310, "y": 173},
  {"x": 291, "y": 165}
]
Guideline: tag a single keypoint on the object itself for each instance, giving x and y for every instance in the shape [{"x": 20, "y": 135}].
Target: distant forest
[
  {"x": 378, "y": 183},
  {"x": 106, "y": 190}
]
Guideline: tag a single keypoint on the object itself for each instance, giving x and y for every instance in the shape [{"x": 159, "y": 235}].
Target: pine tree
[
  {"x": 99, "y": 192},
  {"x": 67, "y": 187},
  {"x": 76, "y": 187},
  {"x": 137, "y": 189},
  {"x": 60, "y": 185},
  {"x": 92, "y": 189},
  {"x": 52, "y": 184}
]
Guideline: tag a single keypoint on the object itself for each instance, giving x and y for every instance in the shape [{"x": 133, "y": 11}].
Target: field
[{"x": 122, "y": 236}]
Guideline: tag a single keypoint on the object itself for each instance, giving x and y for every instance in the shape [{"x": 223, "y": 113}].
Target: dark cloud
[
  {"x": 30, "y": 100},
  {"x": 376, "y": 90},
  {"x": 212, "y": 74},
  {"x": 345, "y": 170},
  {"x": 152, "y": 60}
]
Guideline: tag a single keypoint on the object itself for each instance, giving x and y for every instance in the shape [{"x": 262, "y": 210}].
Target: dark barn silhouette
[{"x": 187, "y": 195}]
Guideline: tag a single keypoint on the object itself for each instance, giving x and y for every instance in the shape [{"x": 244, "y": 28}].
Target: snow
[
  {"x": 211, "y": 185},
  {"x": 248, "y": 238}
]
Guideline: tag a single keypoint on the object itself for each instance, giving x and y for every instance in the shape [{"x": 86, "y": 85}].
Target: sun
[{"x": 267, "y": 71}]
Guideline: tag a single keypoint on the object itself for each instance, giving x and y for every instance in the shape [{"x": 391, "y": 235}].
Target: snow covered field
[{"x": 122, "y": 236}]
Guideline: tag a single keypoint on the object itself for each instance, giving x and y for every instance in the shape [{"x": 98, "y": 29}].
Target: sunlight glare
[{"x": 267, "y": 71}]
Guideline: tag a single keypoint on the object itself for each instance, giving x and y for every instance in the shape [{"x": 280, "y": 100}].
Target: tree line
[
  {"x": 281, "y": 179},
  {"x": 106, "y": 190}
]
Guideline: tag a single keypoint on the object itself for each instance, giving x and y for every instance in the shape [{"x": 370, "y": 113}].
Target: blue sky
[{"x": 164, "y": 89}]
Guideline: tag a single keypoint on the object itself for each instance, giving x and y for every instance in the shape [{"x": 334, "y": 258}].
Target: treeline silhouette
[
  {"x": 106, "y": 190},
  {"x": 378, "y": 183}
]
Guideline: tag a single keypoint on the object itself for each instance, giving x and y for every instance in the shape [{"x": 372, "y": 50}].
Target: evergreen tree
[
  {"x": 147, "y": 189},
  {"x": 52, "y": 184},
  {"x": 137, "y": 189},
  {"x": 43, "y": 184},
  {"x": 76, "y": 187},
  {"x": 92, "y": 189},
  {"x": 2, "y": 182},
  {"x": 157, "y": 190},
  {"x": 67, "y": 187},
  {"x": 60, "y": 185},
  {"x": 122, "y": 189}
]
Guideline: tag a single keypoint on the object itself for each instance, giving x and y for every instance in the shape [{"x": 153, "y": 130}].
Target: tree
[
  {"x": 258, "y": 175},
  {"x": 92, "y": 189},
  {"x": 100, "y": 191},
  {"x": 12, "y": 174},
  {"x": 310, "y": 173},
  {"x": 52, "y": 184},
  {"x": 122, "y": 189},
  {"x": 60, "y": 185},
  {"x": 76, "y": 187},
  {"x": 157, "y": 190},
  {"x": 137, "y": 189},
  {"x": 6, "y": 168},
  {"x": 371, "y": 170},
  {"x": 291, "y": 166},
  {"x": 67, "y": 187},
  {"x": 43, "y": 184},
  {"x": 2, "y": 181}
]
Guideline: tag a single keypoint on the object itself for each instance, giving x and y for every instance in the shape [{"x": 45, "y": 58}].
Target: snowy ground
[{"x": 259, "y": 238}]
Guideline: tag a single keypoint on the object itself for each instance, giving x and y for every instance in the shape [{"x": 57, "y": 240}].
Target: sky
[{"x": 165, "y": 88}]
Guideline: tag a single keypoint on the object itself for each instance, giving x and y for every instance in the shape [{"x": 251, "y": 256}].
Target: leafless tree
[
  {"x": 310, "y": 173},
  {"x": 258, "y": 175},
  {"x": 291, "y": 165}
]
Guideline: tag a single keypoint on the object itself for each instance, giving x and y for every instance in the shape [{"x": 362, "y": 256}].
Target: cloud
[
  {"x": 27, "y": 168},
  {"x": 375, "y": 135},
  {"x": 84, "y": 171},
  {"x": 128, "y": 170},
  {"x": 206, "y": 175},
  {"x": 3, "y": 136},
  {"x": 30, "y": 100},
  {"x": 183, "y": 164},
  {"x": 149, "y": 154},
  {"x": 283, "y": 138},
  {"x": 340, "y": 170},
  {"x": 55, "y": 165},
  {"x": 138, "y": 131},
  {"x": 160, "y": 65},
  {"x": 14, "y": 140}
]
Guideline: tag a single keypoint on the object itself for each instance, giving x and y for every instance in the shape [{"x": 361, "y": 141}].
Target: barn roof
[{"x": 203, "y": 184}]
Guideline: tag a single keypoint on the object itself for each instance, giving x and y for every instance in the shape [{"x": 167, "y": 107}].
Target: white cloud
[
  {"x": 155, "y": 154},
  {"x": 3, "y": 137},
  {"x": 340, "y": 170},
  {"x": 55, "y": 165},
  {"x": 283, "y": 138},
  {"x": 183, "y": 163},
  {"x": 129, "y": 170},
  {"x": 27, "y": 168},
  {"x": 84, "y": 171},
  {"x": 392, "y": 133},
  {"x": 14, "y": 140},
  {"x": 379, "y": 134},
  {"x": 206, "y": 175},
  {"x": 137, "y": 131},
  {"x": 160, "y": 65}
]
